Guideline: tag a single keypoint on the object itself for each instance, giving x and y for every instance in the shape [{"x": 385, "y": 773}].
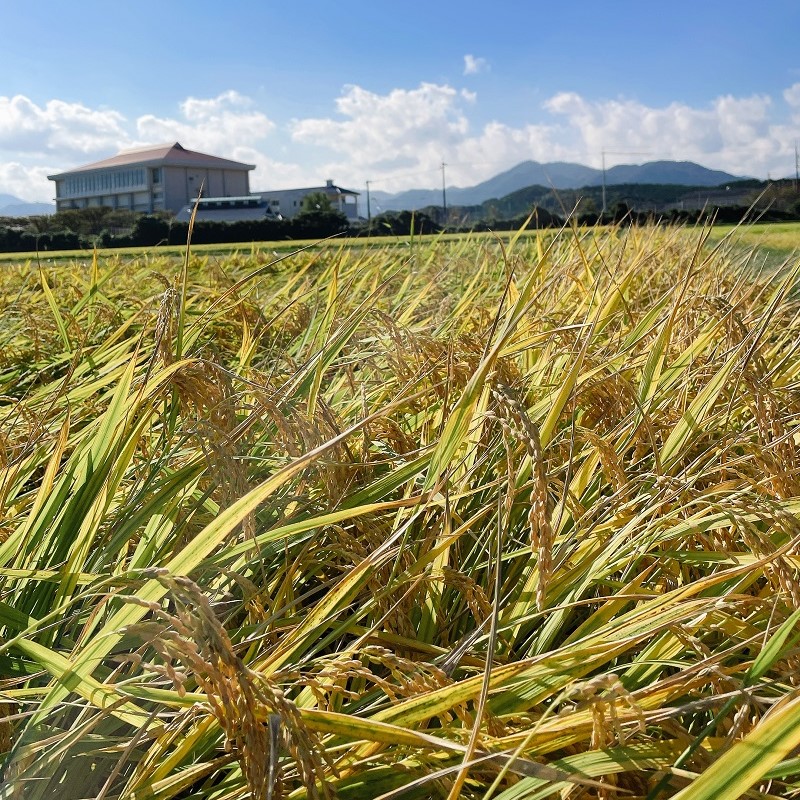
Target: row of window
[
  {"x": 104, "y": 182},
  {"x": 233, "y": 202}
]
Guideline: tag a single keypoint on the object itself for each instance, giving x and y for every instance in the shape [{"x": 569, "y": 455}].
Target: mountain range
[
  {"x": 11, "y": 206},
  {"x": 558, "y": 175}
]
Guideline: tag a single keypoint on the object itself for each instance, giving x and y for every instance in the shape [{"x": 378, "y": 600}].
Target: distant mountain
[
  {"x": 559, "y": 175},
  {"x": 9, "y": 199},
  {"x": 27, "y": 210},
  {"x": 683, "y": 173},
  {"x": 11, "y": 206}
]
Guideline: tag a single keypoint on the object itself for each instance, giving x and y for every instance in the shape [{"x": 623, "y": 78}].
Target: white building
[
  {"x": 227, "y": 209},
  {"x": 161, "y": 178},
  {"x": 289, "y": 202}
]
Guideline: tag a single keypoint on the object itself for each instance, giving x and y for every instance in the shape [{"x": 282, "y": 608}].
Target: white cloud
[
  {"x": 501, "y": 146},
  {"x": 223, "y": 125},
  {"x": 39, "y": 140},
  {"x": 732, "y": 133},
  {"x": 399, "y": 139},
  {"x": 792, "y": 95},
  {"x": 792, "y": 98},
  {"x": 57, "y": 127},
  {"x": 473, "y": 65},
  {"x": 272, "y": 173},
  {"x": 203, "y": 110},
  {"x": 405, "y": 134},
  {"x": 26, "y": 182},
  {"x": 414, "y": 128}
]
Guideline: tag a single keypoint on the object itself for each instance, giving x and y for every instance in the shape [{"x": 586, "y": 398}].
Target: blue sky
[{"x": 385, "y": 91}]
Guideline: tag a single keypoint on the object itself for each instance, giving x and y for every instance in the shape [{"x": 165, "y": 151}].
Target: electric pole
[
  {"x": 369, "y": 210},
  {"x": 616, "y": 153},
  {"x": 603, "y": 212},
  {"x": 444, "y": 197}
]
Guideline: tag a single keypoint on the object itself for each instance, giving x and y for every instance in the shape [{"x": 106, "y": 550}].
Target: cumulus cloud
[
  {"x": 498, "y": 144},
  {"x": 57, "y": 127},
  {"x": 733, "y": 133},
  {"x": 26, "y": 182},
  {"x": 37, "y": 140},
  {"x": 275, "y": 173},
  {"x": 223, "y": 125},
  {"x": 399, "y": 139},
  {"x": 404, "y": 117},
  {"x": 411, "y": 131},
  {"x": 792, "y": 95},
  {"x": 205, "y": 109},
  {"x": 792, "y": 98},
  {"x": 474, "y": 65},
  {"x": 412, "y": 126}
]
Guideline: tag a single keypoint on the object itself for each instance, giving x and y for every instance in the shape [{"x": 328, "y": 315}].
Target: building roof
[
  {"x": 164, "y": 155},
  {"x": 308, "y": 190},
  {"x": 227, "y": 209}
]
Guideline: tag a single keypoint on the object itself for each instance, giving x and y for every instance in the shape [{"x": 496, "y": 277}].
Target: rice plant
[{"x": 478, "y": 518}]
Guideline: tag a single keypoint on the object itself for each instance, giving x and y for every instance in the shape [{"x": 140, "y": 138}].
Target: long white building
[
  {"x": 289, "y": 202},
  {"x": 275, "y": 204}
]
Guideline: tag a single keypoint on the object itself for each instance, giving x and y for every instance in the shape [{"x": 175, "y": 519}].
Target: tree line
[{"x": 110, "y": 228}]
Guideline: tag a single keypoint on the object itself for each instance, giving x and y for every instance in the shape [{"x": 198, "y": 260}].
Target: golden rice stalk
[
  {"x": 255, "y": 715},
  {"x": 515, "y": 419}
]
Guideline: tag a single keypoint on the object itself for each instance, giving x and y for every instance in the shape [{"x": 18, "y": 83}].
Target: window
[{"x": 156, "y": 173}]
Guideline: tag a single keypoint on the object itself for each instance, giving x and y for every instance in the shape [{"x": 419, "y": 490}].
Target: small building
[
  {"x": 160, "y": 178},
  {"x": 227, "y": 209},
  {"x": 289, "y": 202}
]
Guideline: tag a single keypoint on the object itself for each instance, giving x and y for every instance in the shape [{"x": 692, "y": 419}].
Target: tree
[
  {"x": 587, "y": 205},
  {"x": 150, "y": 230},
  {"x": 317, "y": 218},
  {"x": 621, "y": 212},
  {"x": 403, "y": 223},
  {"x": 316, "y": 202}
]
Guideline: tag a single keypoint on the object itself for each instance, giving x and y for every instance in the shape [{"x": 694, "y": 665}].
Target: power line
[
  {"x": 399, "y": 175},
  {"x": 415, "y": 173}
]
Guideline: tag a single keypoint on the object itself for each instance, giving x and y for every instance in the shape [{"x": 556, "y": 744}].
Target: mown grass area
[
  {"x": 777, "y": 235},
  {"x": 260, "y": 251},
  {"x": 769, "y": 245},
  {"x": 464, "y": 518},
  {"x": 774, "y": 241}
]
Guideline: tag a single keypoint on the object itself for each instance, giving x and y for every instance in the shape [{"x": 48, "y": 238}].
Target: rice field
[{"x": 470, "y": 518}]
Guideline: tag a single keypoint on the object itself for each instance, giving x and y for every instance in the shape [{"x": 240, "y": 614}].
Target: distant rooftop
[
  {"x": 329, "y": 184},
  {"x": 163, "y": 155}
]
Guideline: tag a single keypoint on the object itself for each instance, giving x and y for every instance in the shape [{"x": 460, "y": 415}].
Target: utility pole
[
  {"x": 369, "y": 210},
  {"x": 603, "y": 212},
  {"x": 444, "y": 197},
  {"x": 796, "y": 165},
  {"x": 617, "y": 153}
]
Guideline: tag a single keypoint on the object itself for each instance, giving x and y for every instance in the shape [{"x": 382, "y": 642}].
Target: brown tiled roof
[{"x": 159, "y": 156}]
